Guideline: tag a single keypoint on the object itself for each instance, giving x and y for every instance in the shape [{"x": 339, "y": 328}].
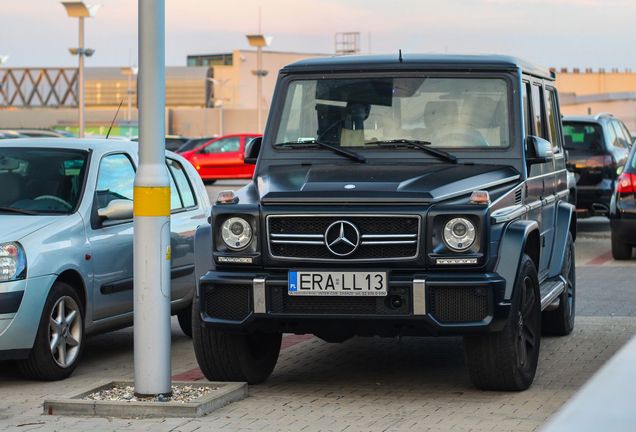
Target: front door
[
  {"x": 221, "y": 159},
  {"x": 111, "y": 242}
]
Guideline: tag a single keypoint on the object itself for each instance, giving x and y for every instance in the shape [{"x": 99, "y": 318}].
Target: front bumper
[
  {"x": 18, "y": 328},
  {"x": 417, "y": 304}
]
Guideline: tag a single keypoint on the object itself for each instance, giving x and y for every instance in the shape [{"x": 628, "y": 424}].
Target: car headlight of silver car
[
  {"x": 459, "y": 234},
  {"x": 12, "y": 262},
  {"x": 236, "y": 233}
]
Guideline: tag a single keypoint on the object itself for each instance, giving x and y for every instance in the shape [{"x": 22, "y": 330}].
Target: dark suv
[
  {"x": 395, "y": 196},
  {"x": 597, "y": 148},
  {"x": 622, "y": 213}
]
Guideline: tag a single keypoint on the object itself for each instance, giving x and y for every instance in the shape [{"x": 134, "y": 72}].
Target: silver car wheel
[{"x": 65, "y": 331}]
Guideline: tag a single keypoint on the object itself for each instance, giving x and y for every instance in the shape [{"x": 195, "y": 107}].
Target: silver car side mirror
[{"x": 117, "y": 209}]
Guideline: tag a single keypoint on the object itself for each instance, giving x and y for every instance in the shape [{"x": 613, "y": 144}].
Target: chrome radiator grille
[{"x": 343, "y": 237}]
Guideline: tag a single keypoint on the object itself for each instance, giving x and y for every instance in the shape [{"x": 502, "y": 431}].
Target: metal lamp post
[
  {"x": 218, "y": 102},
  {"x": 81, "y": 10},
  {"x": 129, "y": 72},
  {"x": 151, "y": 203},
  {"x": 3, "y": 60},
  {"x": 259, "y": 41}
]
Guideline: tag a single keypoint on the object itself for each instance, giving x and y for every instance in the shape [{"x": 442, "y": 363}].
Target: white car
[{"x": 66, "y": 246}]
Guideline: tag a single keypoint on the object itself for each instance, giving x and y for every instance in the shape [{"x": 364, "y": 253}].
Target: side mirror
[
  {"x": 538, "y": 150},
  {"x": 252, "y": 149},
  {"x": 118, "y": 209}
]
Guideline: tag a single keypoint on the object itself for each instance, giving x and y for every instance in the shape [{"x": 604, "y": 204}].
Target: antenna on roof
[
  {"x": 400, "y": 56},
  {"x": 114, "y": 118}
]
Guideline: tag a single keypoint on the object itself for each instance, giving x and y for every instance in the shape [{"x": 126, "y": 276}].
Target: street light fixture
[
  {"x": 81, "y": 10},
  {"x": 130, "y": 72},
  {"x": 259, "y": 41}
]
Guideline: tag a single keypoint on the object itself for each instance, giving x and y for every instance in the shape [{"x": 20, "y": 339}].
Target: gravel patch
[{"x": 125, "y": 393}]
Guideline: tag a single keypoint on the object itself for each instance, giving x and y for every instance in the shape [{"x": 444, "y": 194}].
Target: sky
[{"x": 555, "y": 33}]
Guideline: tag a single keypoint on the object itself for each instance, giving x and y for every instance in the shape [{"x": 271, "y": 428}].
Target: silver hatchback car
[{"x": 66, "y": 246}]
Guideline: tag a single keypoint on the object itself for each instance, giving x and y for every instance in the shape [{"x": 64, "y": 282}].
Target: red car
[{"x": 222, "y": 158}]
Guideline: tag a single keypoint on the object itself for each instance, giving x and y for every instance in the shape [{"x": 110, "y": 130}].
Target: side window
[
  {"x": 612, "y": 136},
  {"x": 627, "y": 133},
  {"x": 184, "y": 192},
  {"x": 538, "y": 113},
  {"x": 115, "y": 179},
  {"x": 175, "y": 197},
  {"x": 526, "y": 108},
  {"x": 224, "y": 145},
  {"x": 553, "y": 120},
  {"x": 622, "y": 141}
]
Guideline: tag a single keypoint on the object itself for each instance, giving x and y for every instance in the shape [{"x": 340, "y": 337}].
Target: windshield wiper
[
  {"x": 422, "y": 145},
  {"x": 315, "y": 143},
  {"x": 17, "y": 210}
]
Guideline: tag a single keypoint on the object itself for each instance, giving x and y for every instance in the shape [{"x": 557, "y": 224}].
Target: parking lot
[{"x": 367, "y": 384}]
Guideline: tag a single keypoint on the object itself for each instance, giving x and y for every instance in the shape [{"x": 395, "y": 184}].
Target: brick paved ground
[{"x": 375, "y": 384}]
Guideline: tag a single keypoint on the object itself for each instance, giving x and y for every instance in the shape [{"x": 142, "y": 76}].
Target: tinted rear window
[{"x": 583, "y": 136}]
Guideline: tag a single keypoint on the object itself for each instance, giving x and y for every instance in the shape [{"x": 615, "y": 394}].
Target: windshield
[
  {"x": 583, "y": 136},
  {"x": 447, "y": 112},
  {"x": 41, "y": 180}
]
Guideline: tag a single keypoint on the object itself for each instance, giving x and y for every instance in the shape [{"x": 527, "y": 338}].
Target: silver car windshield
[
  {"x": 442, "y": 112},
  {"x": 41, "y": 180}
]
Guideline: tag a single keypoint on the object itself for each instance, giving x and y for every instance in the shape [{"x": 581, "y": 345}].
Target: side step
[{"x": 550, "y": 292}]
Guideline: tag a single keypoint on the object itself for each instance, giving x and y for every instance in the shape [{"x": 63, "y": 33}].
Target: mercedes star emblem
[{"x": 342, "y": 238}]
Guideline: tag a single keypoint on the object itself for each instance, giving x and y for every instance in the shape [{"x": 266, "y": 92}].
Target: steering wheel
[{"x": 56, "y": 199}]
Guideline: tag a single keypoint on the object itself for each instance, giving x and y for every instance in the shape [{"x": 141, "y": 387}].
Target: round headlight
[
  {"x": 236, "y": 233},
  {"x": 12, "y": 262},
  {"x": 459, "y": 234}
]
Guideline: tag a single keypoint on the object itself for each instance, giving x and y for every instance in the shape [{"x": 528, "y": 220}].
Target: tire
[
  {"x": 508, "y": 360},
  {"x": 43, "y": 362},
  {"x": 620, "y": 250},
  {"x": 224, "y": 356},
  {"x": 560, "y": 322},
  {"x": 185, "y": 321}
]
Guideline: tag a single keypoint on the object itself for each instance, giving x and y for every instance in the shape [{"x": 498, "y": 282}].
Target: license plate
[{"x": 310, "y": 283}]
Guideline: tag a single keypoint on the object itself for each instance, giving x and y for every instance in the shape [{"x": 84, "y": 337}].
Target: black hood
[{"x": 376, "y": 183}]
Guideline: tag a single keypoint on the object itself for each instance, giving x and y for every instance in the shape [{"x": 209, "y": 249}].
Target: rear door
[
  {"x": 556, "y": 138},
  {"x": 187, "y": 213},
  {"x": 540, "y": 185}
]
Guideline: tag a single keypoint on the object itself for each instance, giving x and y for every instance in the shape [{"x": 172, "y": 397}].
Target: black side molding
[
  {"x": 119, "y": 286},
  {"x": 178, "y": 272},
  {"x": 14, "y": 354},
  {"x": 10, "y": 301},
  {"x": 127, "y": 284}
]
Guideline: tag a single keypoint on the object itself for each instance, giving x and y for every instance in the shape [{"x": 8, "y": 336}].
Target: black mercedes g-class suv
[{"x": 395, "y": 196}]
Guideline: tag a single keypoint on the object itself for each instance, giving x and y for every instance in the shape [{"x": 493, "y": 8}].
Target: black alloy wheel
[{"x": 507, "y": 360}]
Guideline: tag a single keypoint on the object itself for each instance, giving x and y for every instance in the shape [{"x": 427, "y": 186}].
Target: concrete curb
[
  {"x": 74, "y": 405},
  {"x": 594, "y": 235}
]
